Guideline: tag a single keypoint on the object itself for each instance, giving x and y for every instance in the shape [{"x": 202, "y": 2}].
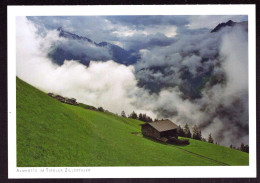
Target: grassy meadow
[{"x": 54, "y": 134}]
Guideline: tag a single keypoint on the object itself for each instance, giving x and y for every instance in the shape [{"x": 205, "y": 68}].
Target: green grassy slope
[
  {"x": 217, "y": 152},
  {"x": 50, "y": 133}
]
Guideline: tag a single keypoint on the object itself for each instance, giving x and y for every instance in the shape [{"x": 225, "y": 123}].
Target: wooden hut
[
  {"x": 51, "y": 94},
  {"x": 71, "y": 101},
  {"x": 60, "y": 98},
  {"x": 159, "y": 129}
]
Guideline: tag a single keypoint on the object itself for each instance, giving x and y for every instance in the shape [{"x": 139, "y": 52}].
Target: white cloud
[
  {"x": 167, "y": 30},
  {"x": 105, "y": 84}
]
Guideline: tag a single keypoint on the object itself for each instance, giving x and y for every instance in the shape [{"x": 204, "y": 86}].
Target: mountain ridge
[
  {"x": 229, "y": 23},
  {"x": 118, "y": 54}
]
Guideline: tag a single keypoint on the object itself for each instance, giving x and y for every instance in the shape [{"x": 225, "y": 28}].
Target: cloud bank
[
  {"x": 220, "y": 61},
  {"x": 105, "y": 84}
]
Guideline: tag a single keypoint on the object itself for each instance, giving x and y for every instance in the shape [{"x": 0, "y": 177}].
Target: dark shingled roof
[{"x": 163, "y": 125}]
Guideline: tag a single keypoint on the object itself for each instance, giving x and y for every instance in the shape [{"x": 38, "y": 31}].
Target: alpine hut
[{"x": 159, "y": 129}]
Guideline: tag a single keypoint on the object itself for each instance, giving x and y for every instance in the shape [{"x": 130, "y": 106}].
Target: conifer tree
[
  {"x": 210, "y": 139},
  {"x": 199, "y": 134},
  {"x": 180, "y": 131},
  {"x": 140, "y": 117},
  {"x": 123, "y": 114},
  {"x": 187, "y": 131},
  {"x": 101, "y": 109},
  {"x": 246, "y": 149},
  {"x": 133, "y": 115},
  {"x": 196, "y": 133}
]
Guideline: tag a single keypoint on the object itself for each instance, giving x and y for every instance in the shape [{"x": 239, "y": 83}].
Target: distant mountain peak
[
  {"x": 222, "y": 25},
  {"x": 118, "y": 54},
  {"x": 230, "y": 22},
  {"x": 70, "y": 35}
]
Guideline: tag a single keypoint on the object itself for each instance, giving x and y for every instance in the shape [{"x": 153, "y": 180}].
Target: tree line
[
  {"x": 196, "y": 134},
  {"x": 244, "y": 148},
  {"x": 185, "y": 131},
  {"x": 142, "y": 117}
]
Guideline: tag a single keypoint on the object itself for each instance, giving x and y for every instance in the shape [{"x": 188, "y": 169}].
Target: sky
[
  {"x": 128, "y": 31},
  {"x": 176, "y": 53}
]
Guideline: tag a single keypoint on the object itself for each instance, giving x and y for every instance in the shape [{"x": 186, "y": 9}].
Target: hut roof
[{"x": 163, "y": 125}]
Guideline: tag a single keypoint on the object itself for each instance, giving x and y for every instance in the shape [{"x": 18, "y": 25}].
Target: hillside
[{"x": 50, "y": 133}]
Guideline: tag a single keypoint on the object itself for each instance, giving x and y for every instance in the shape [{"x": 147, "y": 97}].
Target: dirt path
[{"x": 195, "y": 154}]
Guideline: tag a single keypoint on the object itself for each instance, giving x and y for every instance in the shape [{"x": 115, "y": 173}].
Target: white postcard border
[{"x": 130, "y": 172}]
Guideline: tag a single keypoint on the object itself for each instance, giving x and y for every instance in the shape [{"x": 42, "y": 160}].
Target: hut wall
[
  {"x": 169, "y": 133},
  {"x": 150, "y": 131}
]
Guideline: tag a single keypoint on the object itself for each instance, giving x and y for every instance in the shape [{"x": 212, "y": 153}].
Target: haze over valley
[{"x": 190, "y": 69}]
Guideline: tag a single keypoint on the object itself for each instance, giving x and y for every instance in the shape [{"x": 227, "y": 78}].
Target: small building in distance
[
  {"x": 51, "y": 94},
  {"x": 60, "y": 98},
  {"x": 159, "y": 129},
  {"x": 71, "y": 101}
]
